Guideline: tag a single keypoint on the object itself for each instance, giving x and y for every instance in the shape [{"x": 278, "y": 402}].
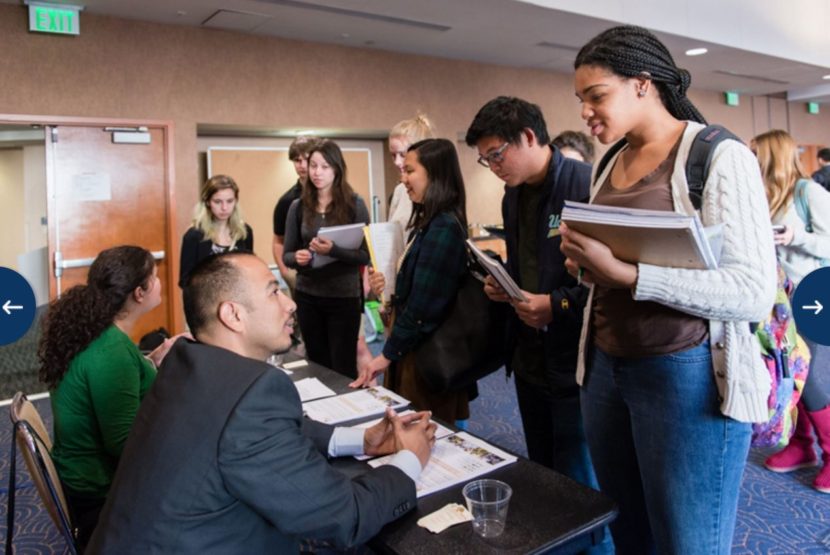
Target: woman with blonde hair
[
  {"x": 403, "y": 134},
  {"x": 802, "y": 247},
  {"x": 217, "y": 225}
]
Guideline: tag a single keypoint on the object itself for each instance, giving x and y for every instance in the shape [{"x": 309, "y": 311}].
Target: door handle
[
  {"x": 61, "y": 264},
  {"x": 375, "y": 208}
]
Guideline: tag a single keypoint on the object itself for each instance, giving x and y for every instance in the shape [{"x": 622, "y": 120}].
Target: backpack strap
[
  {"x": 606, "y": 158},
  {"x": 697, "y": 164},
  {"x": 802, "y": 207},
  {"x": 700, "y": 158}
]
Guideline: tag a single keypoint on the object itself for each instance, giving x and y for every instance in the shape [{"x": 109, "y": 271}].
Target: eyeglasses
[{"x": 495, "y": 157}]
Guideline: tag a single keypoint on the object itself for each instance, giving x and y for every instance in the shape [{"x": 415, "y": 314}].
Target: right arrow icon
[{"x": 817, "y": 307}]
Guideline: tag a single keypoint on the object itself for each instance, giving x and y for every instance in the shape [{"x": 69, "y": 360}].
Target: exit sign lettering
[{"x": 60, "y": 19}]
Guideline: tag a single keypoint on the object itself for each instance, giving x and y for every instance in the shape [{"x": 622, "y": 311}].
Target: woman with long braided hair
[
  {"x": 671, "y": 374},
  {"x": 96, "y": 375}
]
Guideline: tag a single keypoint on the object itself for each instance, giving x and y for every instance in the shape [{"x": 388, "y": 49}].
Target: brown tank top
[{"x": 627, "y": 328}]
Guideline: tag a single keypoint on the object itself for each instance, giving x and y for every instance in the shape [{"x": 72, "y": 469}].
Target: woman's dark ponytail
[
  {"x": 631, "y": 51},
  {"x": 83, "y": 312}
]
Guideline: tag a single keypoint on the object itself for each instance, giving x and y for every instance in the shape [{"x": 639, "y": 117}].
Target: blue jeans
[
  {"x": 663, "y": 451},
  {"x": 555, "y": 438}
]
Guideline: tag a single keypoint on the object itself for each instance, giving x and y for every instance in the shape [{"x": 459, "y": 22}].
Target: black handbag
[{"x": 469, "y": 343}]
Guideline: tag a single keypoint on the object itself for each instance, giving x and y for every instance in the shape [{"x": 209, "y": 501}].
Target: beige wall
[
  {"x": 131, "y": 69},
  {"x": 11, "y": 201}
]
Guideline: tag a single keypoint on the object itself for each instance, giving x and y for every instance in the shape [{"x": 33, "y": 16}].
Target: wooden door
[
  {"x": 809, "y": 158},
  {"x": 359, "y": 173},
  {"x": 103, "y": 194}
]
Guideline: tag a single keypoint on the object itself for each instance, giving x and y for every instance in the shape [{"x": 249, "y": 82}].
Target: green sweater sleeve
[{"x": 116, "y": 389}]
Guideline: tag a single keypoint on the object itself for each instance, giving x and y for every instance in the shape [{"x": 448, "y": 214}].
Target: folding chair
[{"x": 30, "y": 434}]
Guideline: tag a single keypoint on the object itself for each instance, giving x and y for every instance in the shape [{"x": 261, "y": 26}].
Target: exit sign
[{"x": 61, "y": 19}]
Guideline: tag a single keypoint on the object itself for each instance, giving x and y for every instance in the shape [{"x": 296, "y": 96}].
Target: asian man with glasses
[{"x": 512, "y": 140}]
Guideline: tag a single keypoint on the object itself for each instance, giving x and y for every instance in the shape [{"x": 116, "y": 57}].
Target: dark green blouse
[{"x": 94, "y": 407}]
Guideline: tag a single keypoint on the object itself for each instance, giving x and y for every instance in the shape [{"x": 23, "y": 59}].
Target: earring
[{"x": 641, "y": 92}]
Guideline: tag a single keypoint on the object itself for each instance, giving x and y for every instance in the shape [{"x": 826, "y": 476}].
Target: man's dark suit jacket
[{"x": 217, "y": 462}]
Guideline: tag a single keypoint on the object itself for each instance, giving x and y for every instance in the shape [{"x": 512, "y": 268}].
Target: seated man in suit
[{"x": 220, "y": 458}]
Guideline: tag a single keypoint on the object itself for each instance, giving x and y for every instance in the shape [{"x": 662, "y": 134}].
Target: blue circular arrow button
[
  {"x": 17, "y": 306},
  {"x": 811, "y": 306}
]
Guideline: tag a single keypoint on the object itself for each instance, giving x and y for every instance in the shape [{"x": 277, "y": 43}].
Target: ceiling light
[
  {"x": 826, "y": 77},
  {"x": 696, "y": 51},
  {"x": 307, "y": 132}
]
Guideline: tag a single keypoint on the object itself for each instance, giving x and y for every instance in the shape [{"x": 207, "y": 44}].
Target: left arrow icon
[{"x": 8, "y": 307}]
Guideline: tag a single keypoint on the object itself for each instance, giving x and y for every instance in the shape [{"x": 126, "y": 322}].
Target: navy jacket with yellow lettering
[{"x": 566, "y": 179}]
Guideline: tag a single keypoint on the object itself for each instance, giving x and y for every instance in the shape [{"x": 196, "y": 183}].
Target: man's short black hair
[
  {"x": 507, "y": 117},
  {"x": 301, "y": 146},
  {"x": 215, "y": 279},
  {"x": 824, "y": 154},
  {"x": 578, "y": 141}
]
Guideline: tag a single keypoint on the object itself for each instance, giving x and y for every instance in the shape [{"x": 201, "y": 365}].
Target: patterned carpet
[
  {"x": 779, "y": 514},
  {"x": 18, "y": 362}
]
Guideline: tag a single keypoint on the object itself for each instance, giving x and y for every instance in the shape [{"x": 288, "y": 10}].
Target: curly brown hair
[{"x": 81, "y": 314}]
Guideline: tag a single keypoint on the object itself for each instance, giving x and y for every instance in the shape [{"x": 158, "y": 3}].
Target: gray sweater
[
  {"x": 807, "y": 250},
  {"x": 338, "y": 279}
]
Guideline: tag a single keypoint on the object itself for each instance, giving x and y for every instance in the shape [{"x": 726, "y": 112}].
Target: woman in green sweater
[{"x": 96, "y": 375}]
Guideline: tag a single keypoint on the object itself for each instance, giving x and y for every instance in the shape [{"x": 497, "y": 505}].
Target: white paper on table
[
  {"x": 445, "y": 517},
  {"x": 312, "y": 388},
  {"x": 455, "y": 459},
  {"x": 440, "y": 431},
  {"x": 351, "y": 406},
  {"x": 296, "y": 364}
]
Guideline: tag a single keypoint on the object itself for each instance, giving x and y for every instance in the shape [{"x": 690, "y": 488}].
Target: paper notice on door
[
  {"x": 90, "y": 187},
  {"x": 455, "y": 459}
]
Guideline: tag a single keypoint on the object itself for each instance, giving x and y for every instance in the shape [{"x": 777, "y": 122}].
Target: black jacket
[
  {"x": 195, "y": 247},
  {"x": 221, "y": 460},
  {"x": 566, "y": 179},
  {"x": 822, "y": 177}
]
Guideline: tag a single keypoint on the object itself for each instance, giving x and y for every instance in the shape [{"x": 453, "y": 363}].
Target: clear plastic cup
[{"x": 487, "y": 500}]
